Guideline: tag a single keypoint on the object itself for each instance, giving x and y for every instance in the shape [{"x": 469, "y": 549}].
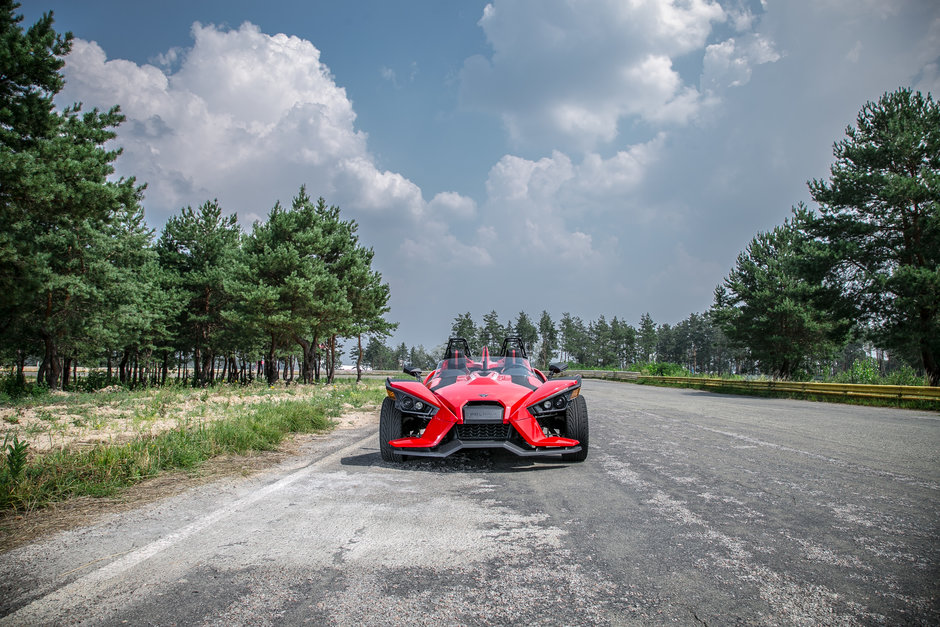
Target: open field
[
  {"x": 116, "y": 415},
  {"x": 67, "y": 445}
]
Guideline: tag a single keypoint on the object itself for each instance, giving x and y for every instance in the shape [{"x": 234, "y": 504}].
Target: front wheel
[
  {"x": 576, "y": 427},
  {"x": 389, "y": 429}
]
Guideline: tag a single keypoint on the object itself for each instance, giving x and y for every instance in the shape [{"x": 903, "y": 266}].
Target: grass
[{"x": 218, "y": 421}]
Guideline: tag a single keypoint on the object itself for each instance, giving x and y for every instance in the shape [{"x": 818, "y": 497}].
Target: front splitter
[{"x": 453, "y": 446}]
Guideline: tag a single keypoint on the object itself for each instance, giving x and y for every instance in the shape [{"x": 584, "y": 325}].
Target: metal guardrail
[{"x": 845, "y": 390}]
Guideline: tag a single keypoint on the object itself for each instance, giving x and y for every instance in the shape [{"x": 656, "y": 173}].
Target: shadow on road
[{"x": 475, "y": 461}]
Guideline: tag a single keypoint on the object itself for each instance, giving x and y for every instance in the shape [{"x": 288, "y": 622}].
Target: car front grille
[{"x": 483, "y": 431}]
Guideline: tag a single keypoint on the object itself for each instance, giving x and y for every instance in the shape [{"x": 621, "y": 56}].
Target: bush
[
  {"x": 13, "y": 387},
  {"x": 664, "y": 369},
  {"x": 95, "y": 381},
  {"x": 905, "y": 375}
]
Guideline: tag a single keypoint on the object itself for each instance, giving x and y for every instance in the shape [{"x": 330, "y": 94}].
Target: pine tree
[
  {"x": 464, "y": 327},
  {"x": 879, "y": 218},
  {"x": 771, "y": 304},
  {"x": 527, "y": 331},
  {"x": 548, "y": 336},
  {"x": 491, "y": 332},
  {"x": 647, "y": 338},
  {"x": 54, "y": 196},
  {"x": 197, "y": 250}
]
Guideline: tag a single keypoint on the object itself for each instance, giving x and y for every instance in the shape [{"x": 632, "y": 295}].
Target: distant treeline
[{"x": 696, "y": 345}]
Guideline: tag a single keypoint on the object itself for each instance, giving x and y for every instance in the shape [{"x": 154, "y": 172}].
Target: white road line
[{"x": 56, "y": 603}]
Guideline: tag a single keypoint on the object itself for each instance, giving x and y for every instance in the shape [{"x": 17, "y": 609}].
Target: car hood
[{"x": 492, "y": 387}]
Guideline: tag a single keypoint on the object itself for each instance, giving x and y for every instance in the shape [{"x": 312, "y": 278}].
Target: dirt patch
[
  {"x": 111, "y": 416},
  {"x": 24, "y": 527}
]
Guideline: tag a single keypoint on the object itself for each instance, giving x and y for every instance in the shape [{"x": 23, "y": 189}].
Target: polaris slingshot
[{"x": 497, "y": 402}]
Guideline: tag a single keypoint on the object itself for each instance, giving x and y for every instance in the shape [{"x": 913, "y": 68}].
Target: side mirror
[
  {"x": 557, "y": 368},
  {"x": 415, "y": 372}
]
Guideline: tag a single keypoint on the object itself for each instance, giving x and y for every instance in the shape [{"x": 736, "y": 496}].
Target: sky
[{"x": 595, "y": 157}]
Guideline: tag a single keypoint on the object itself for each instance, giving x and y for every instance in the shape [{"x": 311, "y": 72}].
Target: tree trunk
[
  {"x": 931, "y": 367},
  {"x": 306, "y": 367},
  {"x": 122, "y": 367},
  {"x": 66, "y": 371},
  {"x": 53, "y": 363},
  {"x": 316, "y": 360},
  {"x": 197, "y": 367},
  {"x": 331, "y": 359},
  {"x": 359, "y": 359},
  {"x": 270, "y": 365},
  {"x": 20, "y": 366}
]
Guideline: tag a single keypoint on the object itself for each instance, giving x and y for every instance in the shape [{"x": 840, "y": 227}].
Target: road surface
[{"x": 692, "y": 509}]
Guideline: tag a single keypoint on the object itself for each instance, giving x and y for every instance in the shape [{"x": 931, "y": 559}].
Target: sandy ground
[
  {"x": 52, "y": 426},
  {"x": 75, "y": 425}
]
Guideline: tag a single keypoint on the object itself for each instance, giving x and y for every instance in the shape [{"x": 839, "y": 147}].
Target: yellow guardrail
[{"x": 844, "y": 390}]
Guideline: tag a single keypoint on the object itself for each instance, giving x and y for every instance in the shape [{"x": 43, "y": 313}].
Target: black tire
[
  {"x": 576, "y": 427},
  {"x": 389, "y": 429}
]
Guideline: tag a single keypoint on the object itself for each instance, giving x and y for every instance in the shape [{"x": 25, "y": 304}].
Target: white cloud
[
  {"x": 453, "y": 205},
  {"x": 245, "y": 114},
  {"x": 566, "y": 74},
  {"x": 729, "y": 63},
  {"x": 554, "y": 206},
  {"x": 247, "y": 118}
]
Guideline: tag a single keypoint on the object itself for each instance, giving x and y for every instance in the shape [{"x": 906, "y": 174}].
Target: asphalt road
[{"x": 692, "y": 509}]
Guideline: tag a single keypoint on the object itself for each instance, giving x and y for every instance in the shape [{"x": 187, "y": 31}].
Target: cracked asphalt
[{"x": 691, "y": 509}]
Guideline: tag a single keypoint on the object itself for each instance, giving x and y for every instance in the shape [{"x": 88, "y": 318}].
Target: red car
[{"x": 500, "y": 402}]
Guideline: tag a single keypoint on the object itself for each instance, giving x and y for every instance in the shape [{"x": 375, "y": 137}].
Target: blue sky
[{"x": 597, "y": 157}]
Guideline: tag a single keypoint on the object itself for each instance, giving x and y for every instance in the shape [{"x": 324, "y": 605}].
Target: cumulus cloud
[
  {"x": 554, "y": 206},
  {"x": 729, "y": 63},
  {"x": 568, "y": 73},
  {"x": 247, "y": 118}
]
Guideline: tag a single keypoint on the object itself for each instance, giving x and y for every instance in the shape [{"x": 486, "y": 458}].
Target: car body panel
[{"x": 483, "y": 404}]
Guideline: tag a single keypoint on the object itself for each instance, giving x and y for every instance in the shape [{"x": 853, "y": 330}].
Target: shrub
[
  {"x": 664, "y": 369},
  {"x": 13, "y": 387}
]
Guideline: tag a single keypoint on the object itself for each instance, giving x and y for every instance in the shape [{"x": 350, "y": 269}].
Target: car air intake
[{"x": 483, "y": 431}]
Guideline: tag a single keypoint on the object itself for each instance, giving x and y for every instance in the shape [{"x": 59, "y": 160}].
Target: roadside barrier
[{"x": 897, "y": 393}]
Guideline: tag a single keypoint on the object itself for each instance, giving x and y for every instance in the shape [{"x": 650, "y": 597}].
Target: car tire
[
  {"x": 576, "y": 427},
  {"x": 389, "y": 429}
]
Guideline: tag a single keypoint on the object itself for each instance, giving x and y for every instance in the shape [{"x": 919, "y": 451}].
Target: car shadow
[{"x": 462, "y": 462}]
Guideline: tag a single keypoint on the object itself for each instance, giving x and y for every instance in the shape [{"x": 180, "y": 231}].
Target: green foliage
[
  {"x": 864, "y": 371},
  {"x": 56, "y": 200},
  {"x": 105, "y": 469},
  {"x": 491, "y": 332},
  {"x": 773, "y": 304},
  {"x": 525, "y": 329},
  {"x": 879, "y": 223},
  {"x": 464, "y": 327},
  {"x": 15, "y": 455},
  {"x": 905, "y": 375},
  {"x": 379, "y": 356},
  {"x": 647, "y": 337},
  {"x": 13, "y": 387},
  {"x": 548, "y": 336},
  {"x": 663, "y": 369}
]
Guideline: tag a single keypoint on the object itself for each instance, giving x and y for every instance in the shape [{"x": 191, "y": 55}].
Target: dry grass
[{"x": 99, "y": 451}]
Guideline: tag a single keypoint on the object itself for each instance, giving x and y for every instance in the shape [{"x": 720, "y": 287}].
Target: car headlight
[
  {"x": 553, "y": 404},
  {"x": 413, "y": 405}
]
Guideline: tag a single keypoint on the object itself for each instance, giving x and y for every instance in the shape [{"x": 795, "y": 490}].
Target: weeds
[
  {"x": 33, "y": 482},
  {"x": 15, "y": 455}
]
